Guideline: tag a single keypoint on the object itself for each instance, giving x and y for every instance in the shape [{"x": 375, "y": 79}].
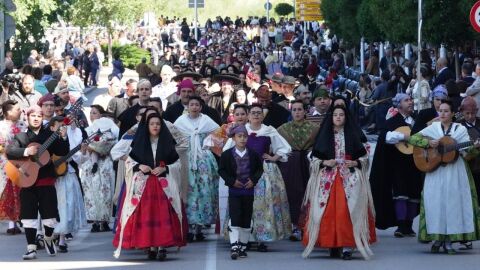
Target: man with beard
[
  {"x": 26, "y": 96},
  {"x": 302, "y": 93},
  {"x": 395, "y": 181}
]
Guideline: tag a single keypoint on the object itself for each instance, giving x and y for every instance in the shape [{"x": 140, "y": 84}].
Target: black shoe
[
  {"x": 162, "y": 254},
  {"x": 152, "y": 254},
  {"x": 407, "y": 230},
  {"x": 63, "y": 248},
  {"x": 234, "y": 253},
  {"x": 190, "y": 237},
  {"x": 467, "y": 245},
  {"x": 347, "y": 255},
  {"x": 262, "y": 248},
  {"x": 398, "y": 233},
  {"x": 95, "y": 228},
  {"x": 50, "y": 246},
  {"x": 335, "y": 253},
  {"x": 68, "y": 237},
  {"x": 199, "y": 236},
  {"x": 105, "y": 227},
  {"x": 242, "y": 253},
  {"x": 30, "y": 255},
  {"x": 39, "y": 242}
]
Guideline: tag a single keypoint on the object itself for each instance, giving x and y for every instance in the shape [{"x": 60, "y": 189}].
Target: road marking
[{"x": 211, "y": 256}]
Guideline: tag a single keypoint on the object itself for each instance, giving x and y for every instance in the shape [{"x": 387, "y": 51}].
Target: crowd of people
[{"x": 244, "y": 106}]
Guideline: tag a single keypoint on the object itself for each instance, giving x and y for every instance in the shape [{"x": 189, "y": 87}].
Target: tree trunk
[
  {"x": 457, "y": 65},
  {"x": 110, "y": 58}
]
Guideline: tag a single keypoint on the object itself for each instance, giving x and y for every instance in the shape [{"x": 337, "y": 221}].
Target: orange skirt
[{"x": 336, "y": 229}]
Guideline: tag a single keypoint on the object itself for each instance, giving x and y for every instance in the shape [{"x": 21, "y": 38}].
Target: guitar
[
  {"x": 429, "y": 159},
  {"x": 404, "y": 147},
  {"x": 24, "y": 172},
  {"x": 60, "y": 162}
]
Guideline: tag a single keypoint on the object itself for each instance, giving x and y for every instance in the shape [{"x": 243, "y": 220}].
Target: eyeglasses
[{"x": 256, "y": 112}]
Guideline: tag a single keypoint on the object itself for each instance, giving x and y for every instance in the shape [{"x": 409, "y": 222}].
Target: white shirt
[
  {"x": 394, "y": 137},
  {"x": 241, "y": 153}
]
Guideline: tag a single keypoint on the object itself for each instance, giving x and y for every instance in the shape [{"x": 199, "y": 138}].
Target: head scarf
[
  {"x": 439, "y": 92},
  {"x": 324, "y": 147},
  {"x": 320, "y": 93},
  {"x": 469, "y": 104},
  {"x": 397, "y": 100},
  {"x": 236, "y": 130},
  {"x": 187, "y": 83},
  {"x": 142, "y": 148}
]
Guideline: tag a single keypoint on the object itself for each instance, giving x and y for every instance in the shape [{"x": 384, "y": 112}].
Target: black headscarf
[
  {"x": 324, "y": 147},
  {"x": 142, "y": 149},
  {"x": 353, "y": 121}
]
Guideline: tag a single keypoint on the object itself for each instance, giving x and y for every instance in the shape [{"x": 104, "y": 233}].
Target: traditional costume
[
  {"x": 300, "y": 135},
  {"x": 152, "y": 215},
  {"x": 271, "y": 215},
  {"x": 97, "y": 173},
  {"x": 9, "y": 193},
  {"x": 41, "y": 197},
  {"x": 202, "y": 197},
  {"x": 243, "y": 166},
  {"x": 338, "y": 201},
  {"x": 449, "y": 209},
  {"x": 396, "y": 182}
]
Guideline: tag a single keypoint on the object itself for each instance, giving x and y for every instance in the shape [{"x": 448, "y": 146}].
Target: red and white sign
[{"x": 475, "y": 16}]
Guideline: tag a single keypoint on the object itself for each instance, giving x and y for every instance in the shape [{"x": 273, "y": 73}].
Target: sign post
[
  {"x": 307, "y": 11},
  {"x": 196, "y": 4},
  {"x": 475, "y": 16},
  {"x": 268, "y": 7}
]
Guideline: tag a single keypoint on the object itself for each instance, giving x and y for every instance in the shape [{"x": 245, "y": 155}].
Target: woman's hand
[
  {"x": 351, "y": 163},
  {"x": 158, "y": 171},
  {"x": 238, "y": 184},
  {"x": 145, "y": 169},
  {"x": 433, "y": 143},
  {"x": 268, "y": 157},
  {"x": 330, "y": 163},
  {"x": 249, "y": 184}
]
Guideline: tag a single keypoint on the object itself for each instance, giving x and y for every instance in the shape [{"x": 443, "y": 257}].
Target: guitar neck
[
  {"x": 63, "y": 159},
  {"x": 47, "y": 143},
  {"x": 458, "y": 146}
]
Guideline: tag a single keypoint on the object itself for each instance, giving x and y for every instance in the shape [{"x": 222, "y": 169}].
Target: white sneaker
[
  {"x": 31, "y": 253},
  {"x": 50, "y": 246}
]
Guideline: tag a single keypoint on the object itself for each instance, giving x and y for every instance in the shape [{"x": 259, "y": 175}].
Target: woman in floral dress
[
  {"x": 9, "y": 193},
  {"x": 202, "y": 198}
]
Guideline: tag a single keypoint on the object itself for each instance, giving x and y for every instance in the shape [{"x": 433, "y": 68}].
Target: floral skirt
[
  {"x": 70, "y": 204},
  {"x": 10, "y": 202},
  {"x": 271, "y": 213},
  {"x": 154, "y": 223}
]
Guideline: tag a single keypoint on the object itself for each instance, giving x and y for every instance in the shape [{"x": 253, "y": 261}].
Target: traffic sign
[
  {"x": 200, "y": 3},
  {"x": 475, "y": 16},
  {"x": 268, "y": 6},
  {"x": 308, "y": 10}
]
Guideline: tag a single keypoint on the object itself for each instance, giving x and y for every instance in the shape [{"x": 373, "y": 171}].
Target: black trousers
[
  {"x": 240, "y": 209},
  {"x": 41, "y": 199}
]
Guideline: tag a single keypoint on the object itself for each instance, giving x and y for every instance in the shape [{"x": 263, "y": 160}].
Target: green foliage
[
  {"x": 366, "y": 24},
  {"x": 396, "y": 20},
  {"x": 283, "y": 9},
  {"x": 447, "y": 21},
  {"x": 340, "y": 17},
  {"x": 131, "y": 55}
]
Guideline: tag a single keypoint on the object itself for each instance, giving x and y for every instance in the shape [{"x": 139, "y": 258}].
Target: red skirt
[
  {"x": 336, "y": 229},
  {"x": 10, "y": 202},
  {"x": 154, "y": 223}
]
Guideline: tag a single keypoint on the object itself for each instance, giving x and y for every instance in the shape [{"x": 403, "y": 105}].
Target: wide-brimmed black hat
[
  {"x": 196, "y": 76},
  {"x": 227, "y": 77}
]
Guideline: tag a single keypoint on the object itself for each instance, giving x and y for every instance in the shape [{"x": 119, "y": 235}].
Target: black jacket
[
  {"x": 276, "y": 116},
  {"x": 173, "y": 112},
  {"x": 59, "y": 147},
  {"x": 227, "y": 167}
]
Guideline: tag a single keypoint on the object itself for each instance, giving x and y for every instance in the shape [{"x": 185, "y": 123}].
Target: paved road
[{"x": 94, "y": 251}]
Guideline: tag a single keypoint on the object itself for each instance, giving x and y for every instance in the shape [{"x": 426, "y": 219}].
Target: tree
[
  {"x": 447, "y": 21},
  {"x": 106, "y": 13},
  {"x": 396, "y": 20},
  {"x": 31, "y": 19},
  {"x": 338, "y": 16},
  {"x": 366, "y": 24},
  {"x": 283, "y": 9}
]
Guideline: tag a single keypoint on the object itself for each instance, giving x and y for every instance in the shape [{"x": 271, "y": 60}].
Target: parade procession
[{"x": 279, "y": 136}]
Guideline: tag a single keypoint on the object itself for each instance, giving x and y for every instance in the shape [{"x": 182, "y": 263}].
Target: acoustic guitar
[
  {"x": 24, "y": 172},
  {"x": 403, "y": 146},
  {"x": 429, "y": 159},
  {"x": 60, "y": 162}
]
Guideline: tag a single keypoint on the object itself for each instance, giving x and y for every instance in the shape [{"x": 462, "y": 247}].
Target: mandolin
[
  {"x": 429, "y": 159},
  {"x": 403, "y": 146},
  {"x": 60, "y": 162}
]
